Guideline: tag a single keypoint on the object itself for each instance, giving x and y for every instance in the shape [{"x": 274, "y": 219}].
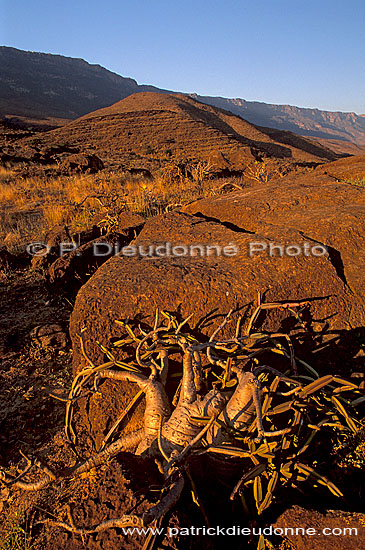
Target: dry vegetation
[
  {"x": 31, "y": 206},
  {"x": 357, "y": 181}
]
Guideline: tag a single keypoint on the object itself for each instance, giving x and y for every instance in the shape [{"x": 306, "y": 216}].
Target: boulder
[
  {"x": 218, "y": 161},
  {"x": 204, "y": 284},
  {"x": 137, "y": 171},
  {"x": 53, "y": 239},
  {"x": 82, "y": 163},
  {"x": 70, "y": 270},
  {"x": 50, "y": 335},
  {"x": 125, "y": 223}
]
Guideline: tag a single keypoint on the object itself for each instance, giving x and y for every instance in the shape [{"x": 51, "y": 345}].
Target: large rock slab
[
  {"x": 207, "y": 286},
  {"x": 316, "y": 206}
]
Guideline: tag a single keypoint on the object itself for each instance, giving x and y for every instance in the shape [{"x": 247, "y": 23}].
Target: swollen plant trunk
[
  {"x": 157, "y": 408},
  {"x": 239, "y": 411},
  {"x": 239, "y": 414},
  {"x": 181, "y": 429}
]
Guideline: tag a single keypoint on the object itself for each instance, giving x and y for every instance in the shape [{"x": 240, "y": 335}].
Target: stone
[
  {"x": 49, "y": 335},
  {"x": 315, "y": 206},
  {"x": 81, "y": 163},
  {"x": 70, "y": 271}
]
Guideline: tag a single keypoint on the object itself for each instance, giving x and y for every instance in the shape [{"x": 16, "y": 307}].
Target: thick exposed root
[
  {"x": 154, "y": 513},
  {"x": 125, "y": 521},
  {"x": 125, "y": 443},
  {"x": 166, "y": 504}
]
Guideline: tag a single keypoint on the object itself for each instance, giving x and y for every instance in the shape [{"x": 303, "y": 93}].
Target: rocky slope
[
  {"x": 148, "y": 130},
  {"x": 348, "y": 127}
]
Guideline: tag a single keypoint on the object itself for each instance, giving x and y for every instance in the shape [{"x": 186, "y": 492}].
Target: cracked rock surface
[{"x": 317, "y": 207}]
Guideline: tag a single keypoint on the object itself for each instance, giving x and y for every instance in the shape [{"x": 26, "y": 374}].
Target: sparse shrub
[
  {"x": 6, "y": 175},
  {"x": 54, "y": 214},
  {"x": 31, "y": 206},
  {"x": 201, "y": 172},
  {"x": 263, "y": 171}
]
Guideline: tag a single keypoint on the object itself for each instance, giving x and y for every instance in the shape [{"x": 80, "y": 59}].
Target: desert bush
[{"x": 263, "y": 171}]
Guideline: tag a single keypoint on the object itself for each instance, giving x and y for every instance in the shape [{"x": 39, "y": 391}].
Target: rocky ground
[{"x": 40, "y": 356}]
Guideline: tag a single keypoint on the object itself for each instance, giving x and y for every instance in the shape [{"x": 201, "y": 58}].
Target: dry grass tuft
[{"x": 29, "y": 207}]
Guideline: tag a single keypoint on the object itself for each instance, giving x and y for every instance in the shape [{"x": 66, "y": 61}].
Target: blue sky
[{"x": 307, "y": 53}]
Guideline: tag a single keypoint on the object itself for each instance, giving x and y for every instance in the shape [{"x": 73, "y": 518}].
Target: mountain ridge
[
  {"x": 37, "y": 84},
  {"x": 149, "y": 130},
  {"x": 54, "y": 88},
  {"x": 303, "y": 120}
]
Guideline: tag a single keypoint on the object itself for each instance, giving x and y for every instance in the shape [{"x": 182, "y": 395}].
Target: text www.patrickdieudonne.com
[{"x": 236, "y": 530}]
